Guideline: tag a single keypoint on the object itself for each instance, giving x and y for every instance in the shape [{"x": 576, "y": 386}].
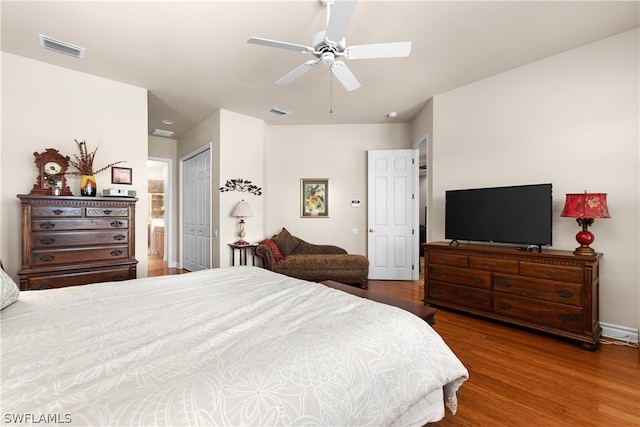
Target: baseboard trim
[{"x": 621, "y": 333}]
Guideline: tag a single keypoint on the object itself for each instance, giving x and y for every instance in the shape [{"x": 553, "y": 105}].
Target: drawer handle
[
  {"x": 478, "y": 279},
  {"x": 564, "y": 293},
  {"x": 47, "y": 258},
  {"x": 45, "y": 286},
  {"x": 436, "y": 290},
  {"x": 117, "y": 277},
  {"x": 116, "y": 252},
  {"x": 491, "y": 265},
  {"x": 446, "y": 260},
  {"x": 58, "y": 211},
  {"x": 504, "y": 283},
  {"x": 548, "y": 272},
  {"x": 47, "y": 241},
  {"x": 47, "y": 225},
  {"x": 119, "y": 237},
  {"x": 504, "y": 304},
  {"x": 479, "y": 299},
  {"x": 566, "y": 317},
  {"x": 116, "y": 223},
  {"x": 436, "y": 272},
  {"x": 107, "y": 211}
]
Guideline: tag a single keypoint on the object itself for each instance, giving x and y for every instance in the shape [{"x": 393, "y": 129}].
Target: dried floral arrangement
[
  {"x": 242, "y": 186},
  {"x": 84, "y": 162}
]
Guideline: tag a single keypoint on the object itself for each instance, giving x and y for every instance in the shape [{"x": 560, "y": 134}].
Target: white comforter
[{"x": 232, "y": 346}]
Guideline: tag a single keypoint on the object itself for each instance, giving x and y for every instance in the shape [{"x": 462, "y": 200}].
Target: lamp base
[{"x": 584, "y": 250}]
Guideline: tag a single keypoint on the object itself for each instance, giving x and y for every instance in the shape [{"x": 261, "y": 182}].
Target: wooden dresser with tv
[
  {"x": 68, "y": 241},
  {"x": 552, "y": 291}
]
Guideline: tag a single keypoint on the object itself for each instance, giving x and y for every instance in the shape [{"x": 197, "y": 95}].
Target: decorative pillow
[
  {"x": 10, "y": 291},
  {"x": 277, "y": 255},
  {"x": 285, "y": 241}
]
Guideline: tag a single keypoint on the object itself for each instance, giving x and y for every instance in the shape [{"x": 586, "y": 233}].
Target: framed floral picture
[{"x": 314, "y": 198}]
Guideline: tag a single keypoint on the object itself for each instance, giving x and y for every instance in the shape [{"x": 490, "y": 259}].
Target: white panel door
[
  {"x": 392, "y": 212},
  {"x": 196, "y": 212}
]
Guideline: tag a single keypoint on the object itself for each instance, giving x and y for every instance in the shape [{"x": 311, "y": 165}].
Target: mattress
[{"x": 231, "y": 346}]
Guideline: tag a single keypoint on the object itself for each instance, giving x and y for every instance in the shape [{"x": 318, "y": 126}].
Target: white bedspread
[{"x": 232, "y": 346}]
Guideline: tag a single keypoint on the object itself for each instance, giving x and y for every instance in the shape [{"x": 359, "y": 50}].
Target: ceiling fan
[{"x": 330, "y": 44}]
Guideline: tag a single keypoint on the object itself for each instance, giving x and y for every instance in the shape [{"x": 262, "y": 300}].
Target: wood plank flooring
[{"x": 522, "y": 378}]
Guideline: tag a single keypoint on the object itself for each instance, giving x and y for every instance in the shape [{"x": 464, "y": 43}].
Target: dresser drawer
[
  {"x": 448, "y": 259},
  {"x": 493, "y": 264},
  {"x": 461, "y": 276},
  {"x": 78, "y": 255},
  {"x": 56, "y": 211},
  {"x": 75, "y": 279},
  {"x": 461, "y": 295},
  {"x": 78, "y": 224},
  {"x": 547, "y": 290},
  {"x": 566, "y": 317},
  {"x": 551, "y": 272},
  {"x": 79, "y": 238},
  {"x": 107, "y": 211}
]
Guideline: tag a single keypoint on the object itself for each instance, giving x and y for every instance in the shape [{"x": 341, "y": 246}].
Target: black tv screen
[{"x": 518, "y": 214}]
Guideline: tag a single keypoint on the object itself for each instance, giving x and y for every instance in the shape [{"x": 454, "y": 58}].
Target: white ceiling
[{"x": 193, "y": 58}]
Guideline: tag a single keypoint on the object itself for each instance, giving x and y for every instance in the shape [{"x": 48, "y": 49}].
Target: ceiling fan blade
[
  {"x": 297, "y": 72},
  {"x": 280, "y": 45},
  {"x": 345, "y": 76},
  {"x": 382, "y": 50},
  {"x": 339, "y": 16}
]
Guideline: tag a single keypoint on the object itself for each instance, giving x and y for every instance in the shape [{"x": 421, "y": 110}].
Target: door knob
[{"x": 371, "y": 230}]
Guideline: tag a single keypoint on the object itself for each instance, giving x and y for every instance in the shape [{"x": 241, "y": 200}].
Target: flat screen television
[{"x": 519, "y": 214}]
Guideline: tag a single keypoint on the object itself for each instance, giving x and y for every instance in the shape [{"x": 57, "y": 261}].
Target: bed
[{"x": 229, "y": 346}]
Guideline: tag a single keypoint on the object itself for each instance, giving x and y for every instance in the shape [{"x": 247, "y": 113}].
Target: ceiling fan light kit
[{"x": 330, "y": 44}]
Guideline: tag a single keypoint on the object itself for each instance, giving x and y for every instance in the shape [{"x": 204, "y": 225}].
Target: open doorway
[{"x": 159, "y": 224}]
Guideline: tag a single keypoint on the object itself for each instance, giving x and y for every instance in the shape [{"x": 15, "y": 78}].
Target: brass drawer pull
[
  {"x": 47, "y": 241},
  {"x": 119, "y": 237},
  {"x": 45, "y": 286},
  {"x": 566, "y": 317},
  {"x": 436, "y": 290},
  {"x": 504, "y": 304},
  {"x": 548, "y": 272},
  {"x": 504, "y": 283},
  {"x": 478, "y": 279},
  {"x": 58, "y": 212},
  {"x": 47, "y": 258},
  {"x": 491, "y": 265},
  {"x": 436, "y": 272},
  {"x": 479, "y": 299},
  {"x": 446, "y": 260},
  {"x": 564, "y": 293},
  {"x": 117, "y": 277},
  {"x": 116, "y": 252},
  {"x": 116, "y": 223},
  {"x": 47, "y": 225}
]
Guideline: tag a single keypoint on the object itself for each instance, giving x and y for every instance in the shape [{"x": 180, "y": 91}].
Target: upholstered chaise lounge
[{"x": 292, "y": 256}]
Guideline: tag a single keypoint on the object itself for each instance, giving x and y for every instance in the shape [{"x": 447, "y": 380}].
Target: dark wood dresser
[
  {"x": 68, "y": 241},
  {"x": 551, "y": 291}
]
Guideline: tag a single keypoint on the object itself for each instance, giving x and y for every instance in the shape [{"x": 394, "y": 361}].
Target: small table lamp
[
  {"x": 585, "y": 207},
  {"x": 241, "y": 211}
]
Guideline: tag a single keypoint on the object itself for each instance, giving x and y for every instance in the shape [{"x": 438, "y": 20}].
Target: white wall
[
  {"x": 336, "y": 152},
  {"x": 572, "y": 120},
  {"x": 44, "y": 106}
]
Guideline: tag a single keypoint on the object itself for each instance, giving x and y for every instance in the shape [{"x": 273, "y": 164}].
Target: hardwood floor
[{"x": 522, "y": 378}]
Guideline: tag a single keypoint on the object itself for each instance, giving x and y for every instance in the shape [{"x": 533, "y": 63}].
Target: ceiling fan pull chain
[{"x": 331, "y": 90}]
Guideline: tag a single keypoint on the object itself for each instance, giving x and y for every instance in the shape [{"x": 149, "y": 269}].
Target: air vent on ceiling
[
  {"x": 279, "y": 111},
  {"x": 62, "y": 47},
  {"x": 162, "y": 132}
]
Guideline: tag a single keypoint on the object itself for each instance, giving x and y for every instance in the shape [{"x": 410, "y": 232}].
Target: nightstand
[{"x": 242, "y": 249}]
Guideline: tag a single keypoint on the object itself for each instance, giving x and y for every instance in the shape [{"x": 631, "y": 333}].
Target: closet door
[{"x": 196, "y": 212}]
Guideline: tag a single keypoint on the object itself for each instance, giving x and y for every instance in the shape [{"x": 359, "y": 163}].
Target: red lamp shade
[{"x": 585, "y": 207}]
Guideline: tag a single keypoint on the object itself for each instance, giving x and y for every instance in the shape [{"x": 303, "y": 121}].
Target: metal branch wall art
[{"x": 242, "y": 186}]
